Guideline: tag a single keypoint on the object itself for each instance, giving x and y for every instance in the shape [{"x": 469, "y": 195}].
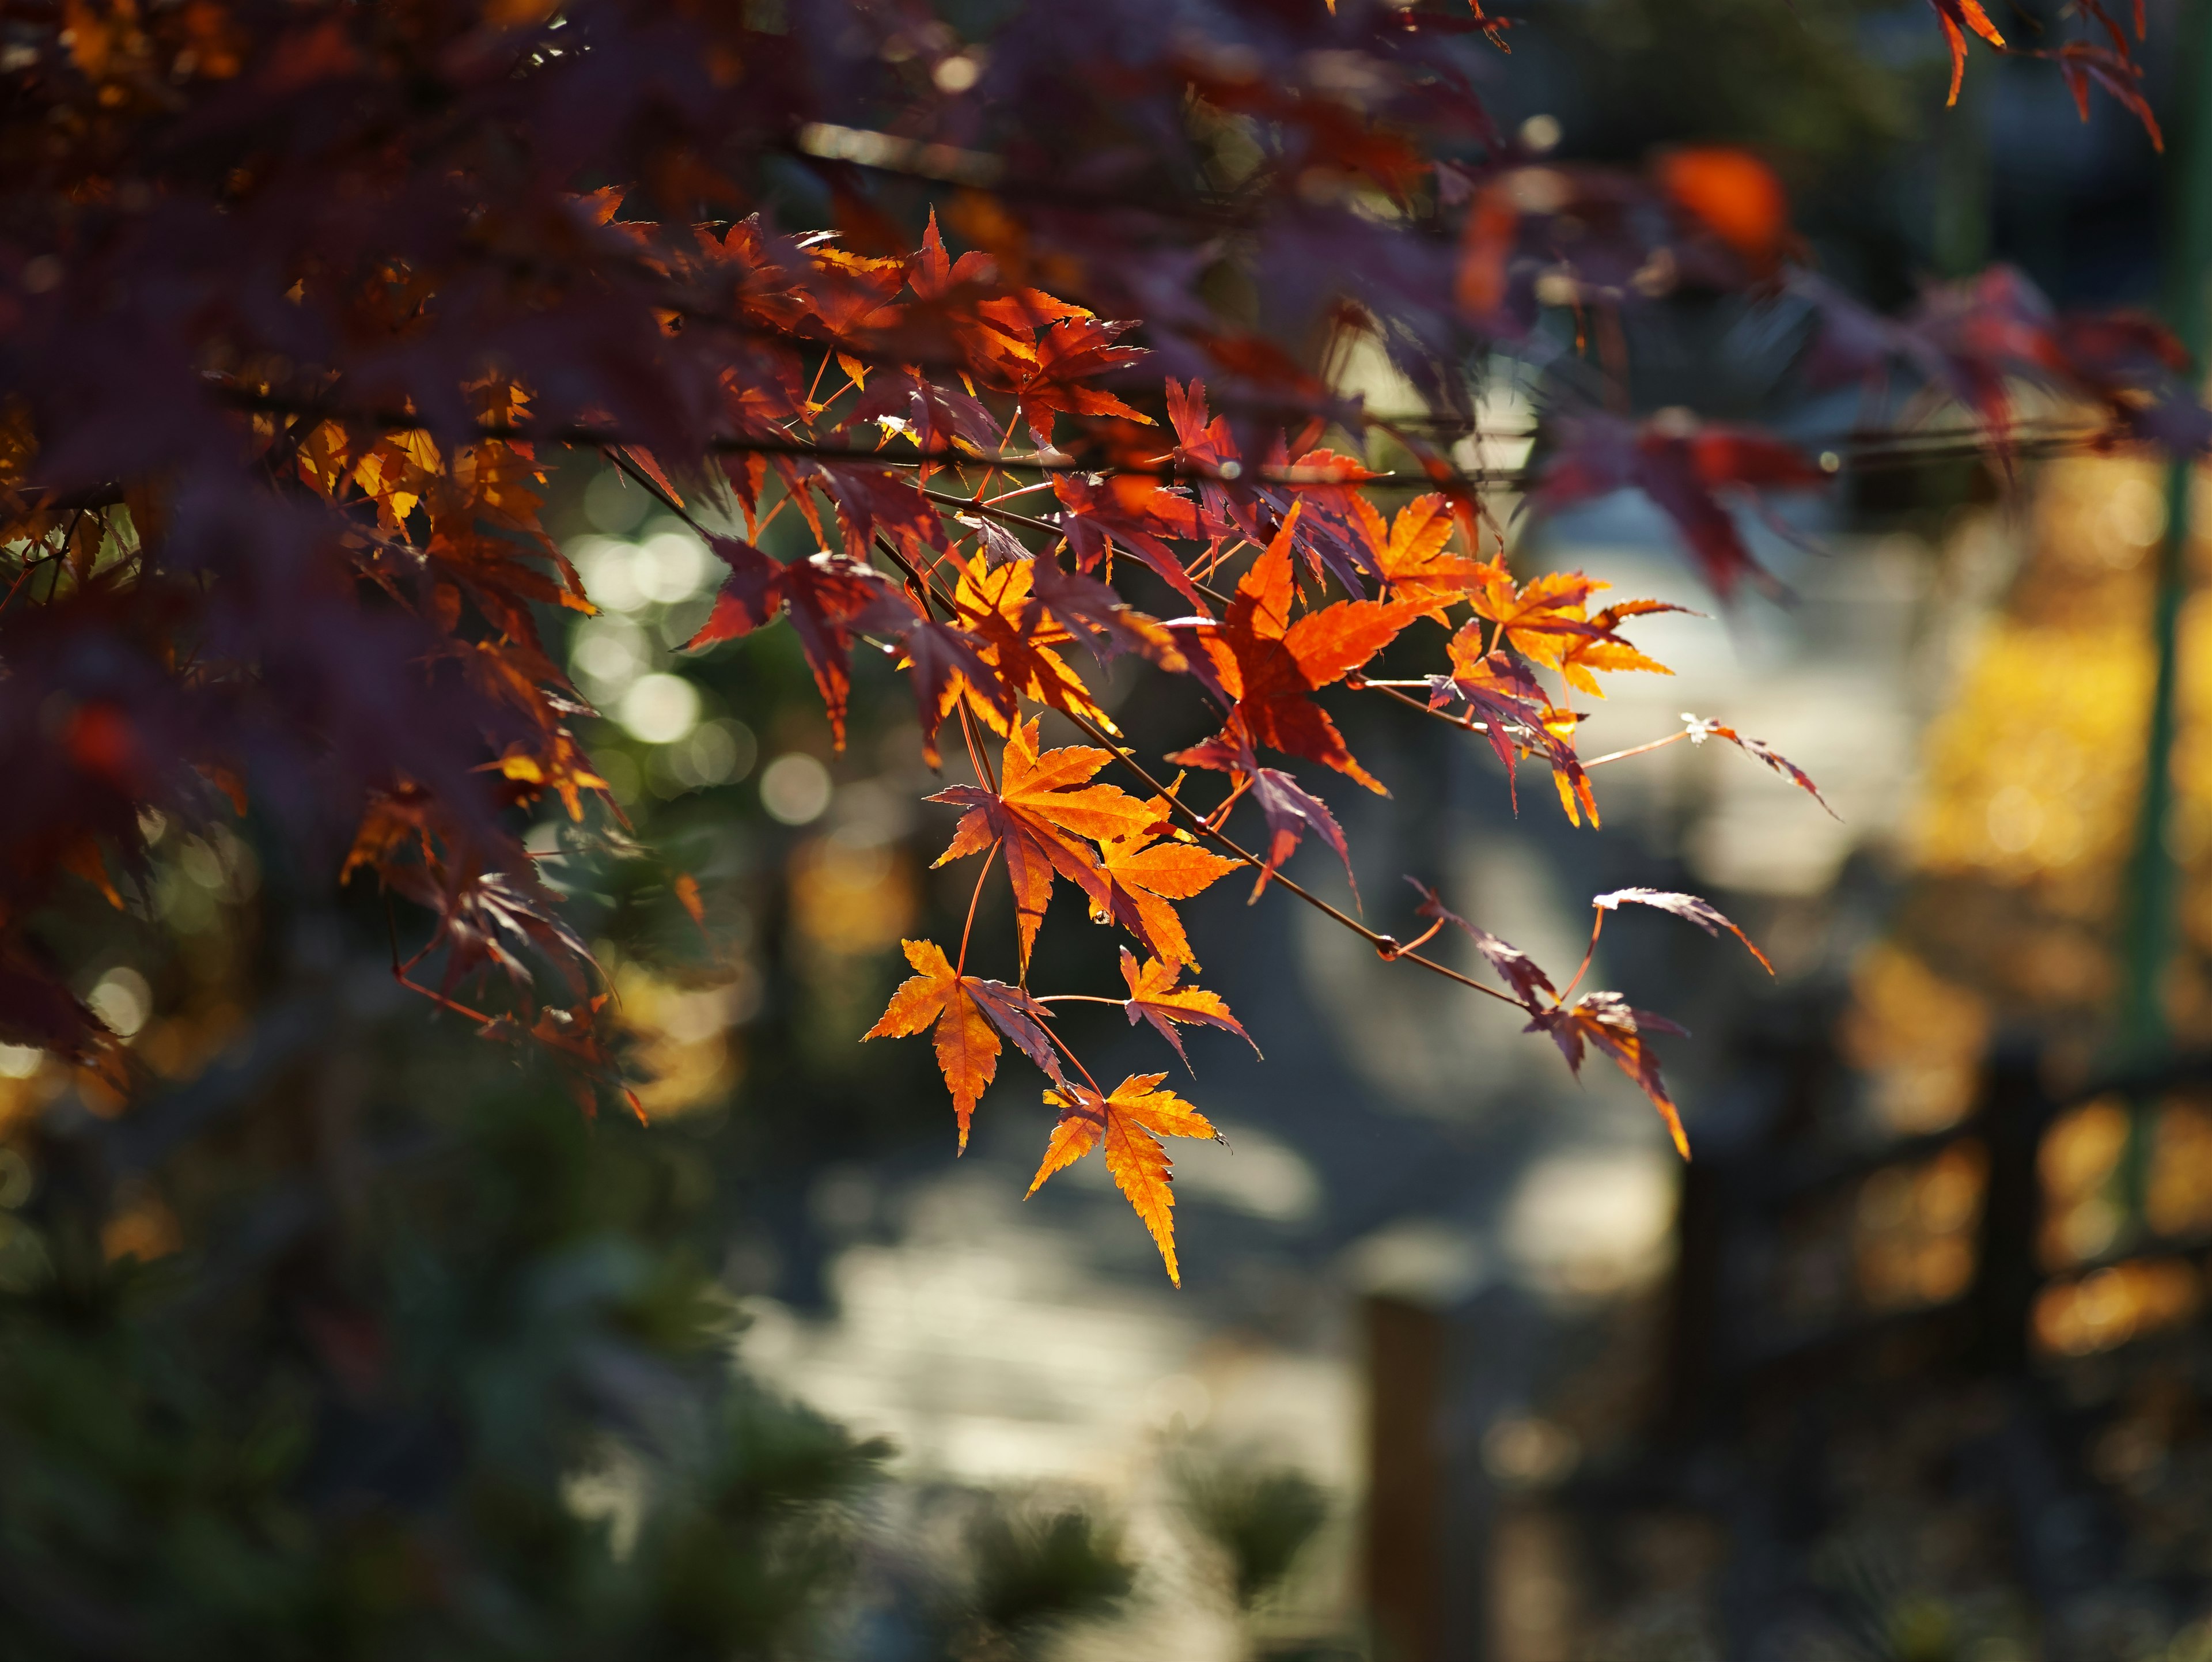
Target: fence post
[
  {"x": 1405, "y": 1481},
  {"x": 2007, "y": 1271}
]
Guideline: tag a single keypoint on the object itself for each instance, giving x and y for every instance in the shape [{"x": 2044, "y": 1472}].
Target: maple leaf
[
  {"x": 1606, "y": 1020},
  {"x": 2117, "y": 73},
  {"x": 1679, "y": 464},
  {"x": 901, "y": 401},
  {"x": 1154, "y": 997},
  {"x": 829, "y": 598},
  {"x": 1410, "y": 555},
  {"x": 872, "y": 500},
  {"x": 1271, "y": 665},
  {"x": 1760, "y": 751},
  {"x": 1957, "y": 17},
  {"x": 1068, "y": 354},
  {"x": 1130, "y": 1123},
  {"x": 1290, "y": 811},
  {"x": 968, "y": 1014},
  {"x": 1040, "y": 820},
  {"x": 1521, "y": 972},
  {"x": 1093, "y": 613},
  {"x": 1143, "y": 874},
  {"x": 1209, "y": 449},
  {"x": 1540, "y": 619},
  {"x": 1519, "y": 718},
  {"x": 1133, "y": 512},
  {"x": 1605, "y": 651},
  {"x": 1015, "y": 635},
  {"x": 1698, "y": 910},
  {"x": 946, "y": 663},
  {"x": 933, "y": 273}
]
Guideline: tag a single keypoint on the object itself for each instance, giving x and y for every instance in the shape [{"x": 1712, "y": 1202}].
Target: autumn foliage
[{"x": 300, "y": 302}]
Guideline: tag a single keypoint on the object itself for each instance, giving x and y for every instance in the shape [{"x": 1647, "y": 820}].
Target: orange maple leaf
[
  {"x": 1542, "y": 620},
  {"x": 1145, "y": 875},
  {"x": 1130, "y": 1122},
  {"x": 1410, "y": 554},
  {"x": 1041, "y": 821},
  {"x": 968, "y": 1014},
  {"x": 1605, "y": 651},
  {"x": 1271, "y": 665},
  {"x": 1154, "y": 997},
  {"x": 1017, "y": 639},
  {"x": 1519, "y": 717},
  {"x": 1957, "y": 17},
  {"x": 1606, "y": 1020}
]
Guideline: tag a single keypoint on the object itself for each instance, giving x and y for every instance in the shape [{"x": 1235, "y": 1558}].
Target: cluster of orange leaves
[
  {"x": 985, "y": 624},
  {"x": 1042, "y": 814}
]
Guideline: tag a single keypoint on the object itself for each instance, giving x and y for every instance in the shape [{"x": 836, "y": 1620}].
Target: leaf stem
[
  {"x": 1466, "y": 723},
  {"x": 961, "y": 968},
  {"x": 1074, "y": 1058},
  {"x": 1636, "y": 750},
  {"x": 1383, "y": 944},
  {"x": 1597, "y": 928}
]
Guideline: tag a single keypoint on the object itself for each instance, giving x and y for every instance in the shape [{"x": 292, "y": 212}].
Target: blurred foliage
[
  {"x": 1036, "y": 1569},
  {"x": 375, "y": 1435},
  {"x": 1262, "y": 1519},
  {"x": 353, "y": 1340},
  {"x": 1798, "y": 79}
]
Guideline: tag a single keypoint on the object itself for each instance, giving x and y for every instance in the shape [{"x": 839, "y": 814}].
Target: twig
[
  {"x": 1390, "y": 950},
  {"x": 1636, "y": 750}
]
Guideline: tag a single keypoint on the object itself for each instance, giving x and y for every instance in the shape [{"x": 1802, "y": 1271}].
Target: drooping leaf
[
  {"x": 1700, "y": 911},
  {"x": 1759, "y": 750},
  {"x": 1290, "y": 811},
  {"x": 1520, "y": 971},
  {"x": 1519, "y": 718},
  {"x": 1155, "y": 997},
  {"x": 1129, "y": 1122},
  {"x": 830, "y": 599},
  {"x": 1957, "y": 17},
  {"x": 1606, "y": 1020},
  {"x": 968, "y": 1014}
]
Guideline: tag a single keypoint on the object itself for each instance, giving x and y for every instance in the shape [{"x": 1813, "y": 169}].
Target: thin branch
[
  {"x": 1389, "y": 689},
  {"x": 1072, "y": 1058},
  {"x": 969, "y": 928},
  {"x": 1636, "y": 750},
  {"x": 1390, "y": 950}
]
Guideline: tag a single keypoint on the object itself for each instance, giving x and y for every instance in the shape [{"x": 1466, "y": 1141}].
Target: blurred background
[{"x": 1911, "y": 1362}]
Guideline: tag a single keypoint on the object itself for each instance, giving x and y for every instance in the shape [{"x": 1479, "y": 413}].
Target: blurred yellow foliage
[
  {"x": 2113, "y": 1305},
  {"x": 686, "y": 1045},
  {"x": 1913, "y": 1229},
  {"x": 851, "y": 896},
  {"x": 2178, "y": 1201},
  {"x": 1919, "y": 1037},
  {"x": 2080, "y": 1162}
]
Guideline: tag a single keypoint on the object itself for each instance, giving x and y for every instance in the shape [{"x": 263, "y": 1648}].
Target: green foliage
[
  {"x": 1037, "y": 1569},
  {"x": 376, "y": 1437},
  {"x": 1262, "y": 1519}
]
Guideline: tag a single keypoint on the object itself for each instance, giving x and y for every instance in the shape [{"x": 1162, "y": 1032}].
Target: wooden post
[
  {"x": 1405, "y": 1481},
  {"x": 2008, "y": 1270}
]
